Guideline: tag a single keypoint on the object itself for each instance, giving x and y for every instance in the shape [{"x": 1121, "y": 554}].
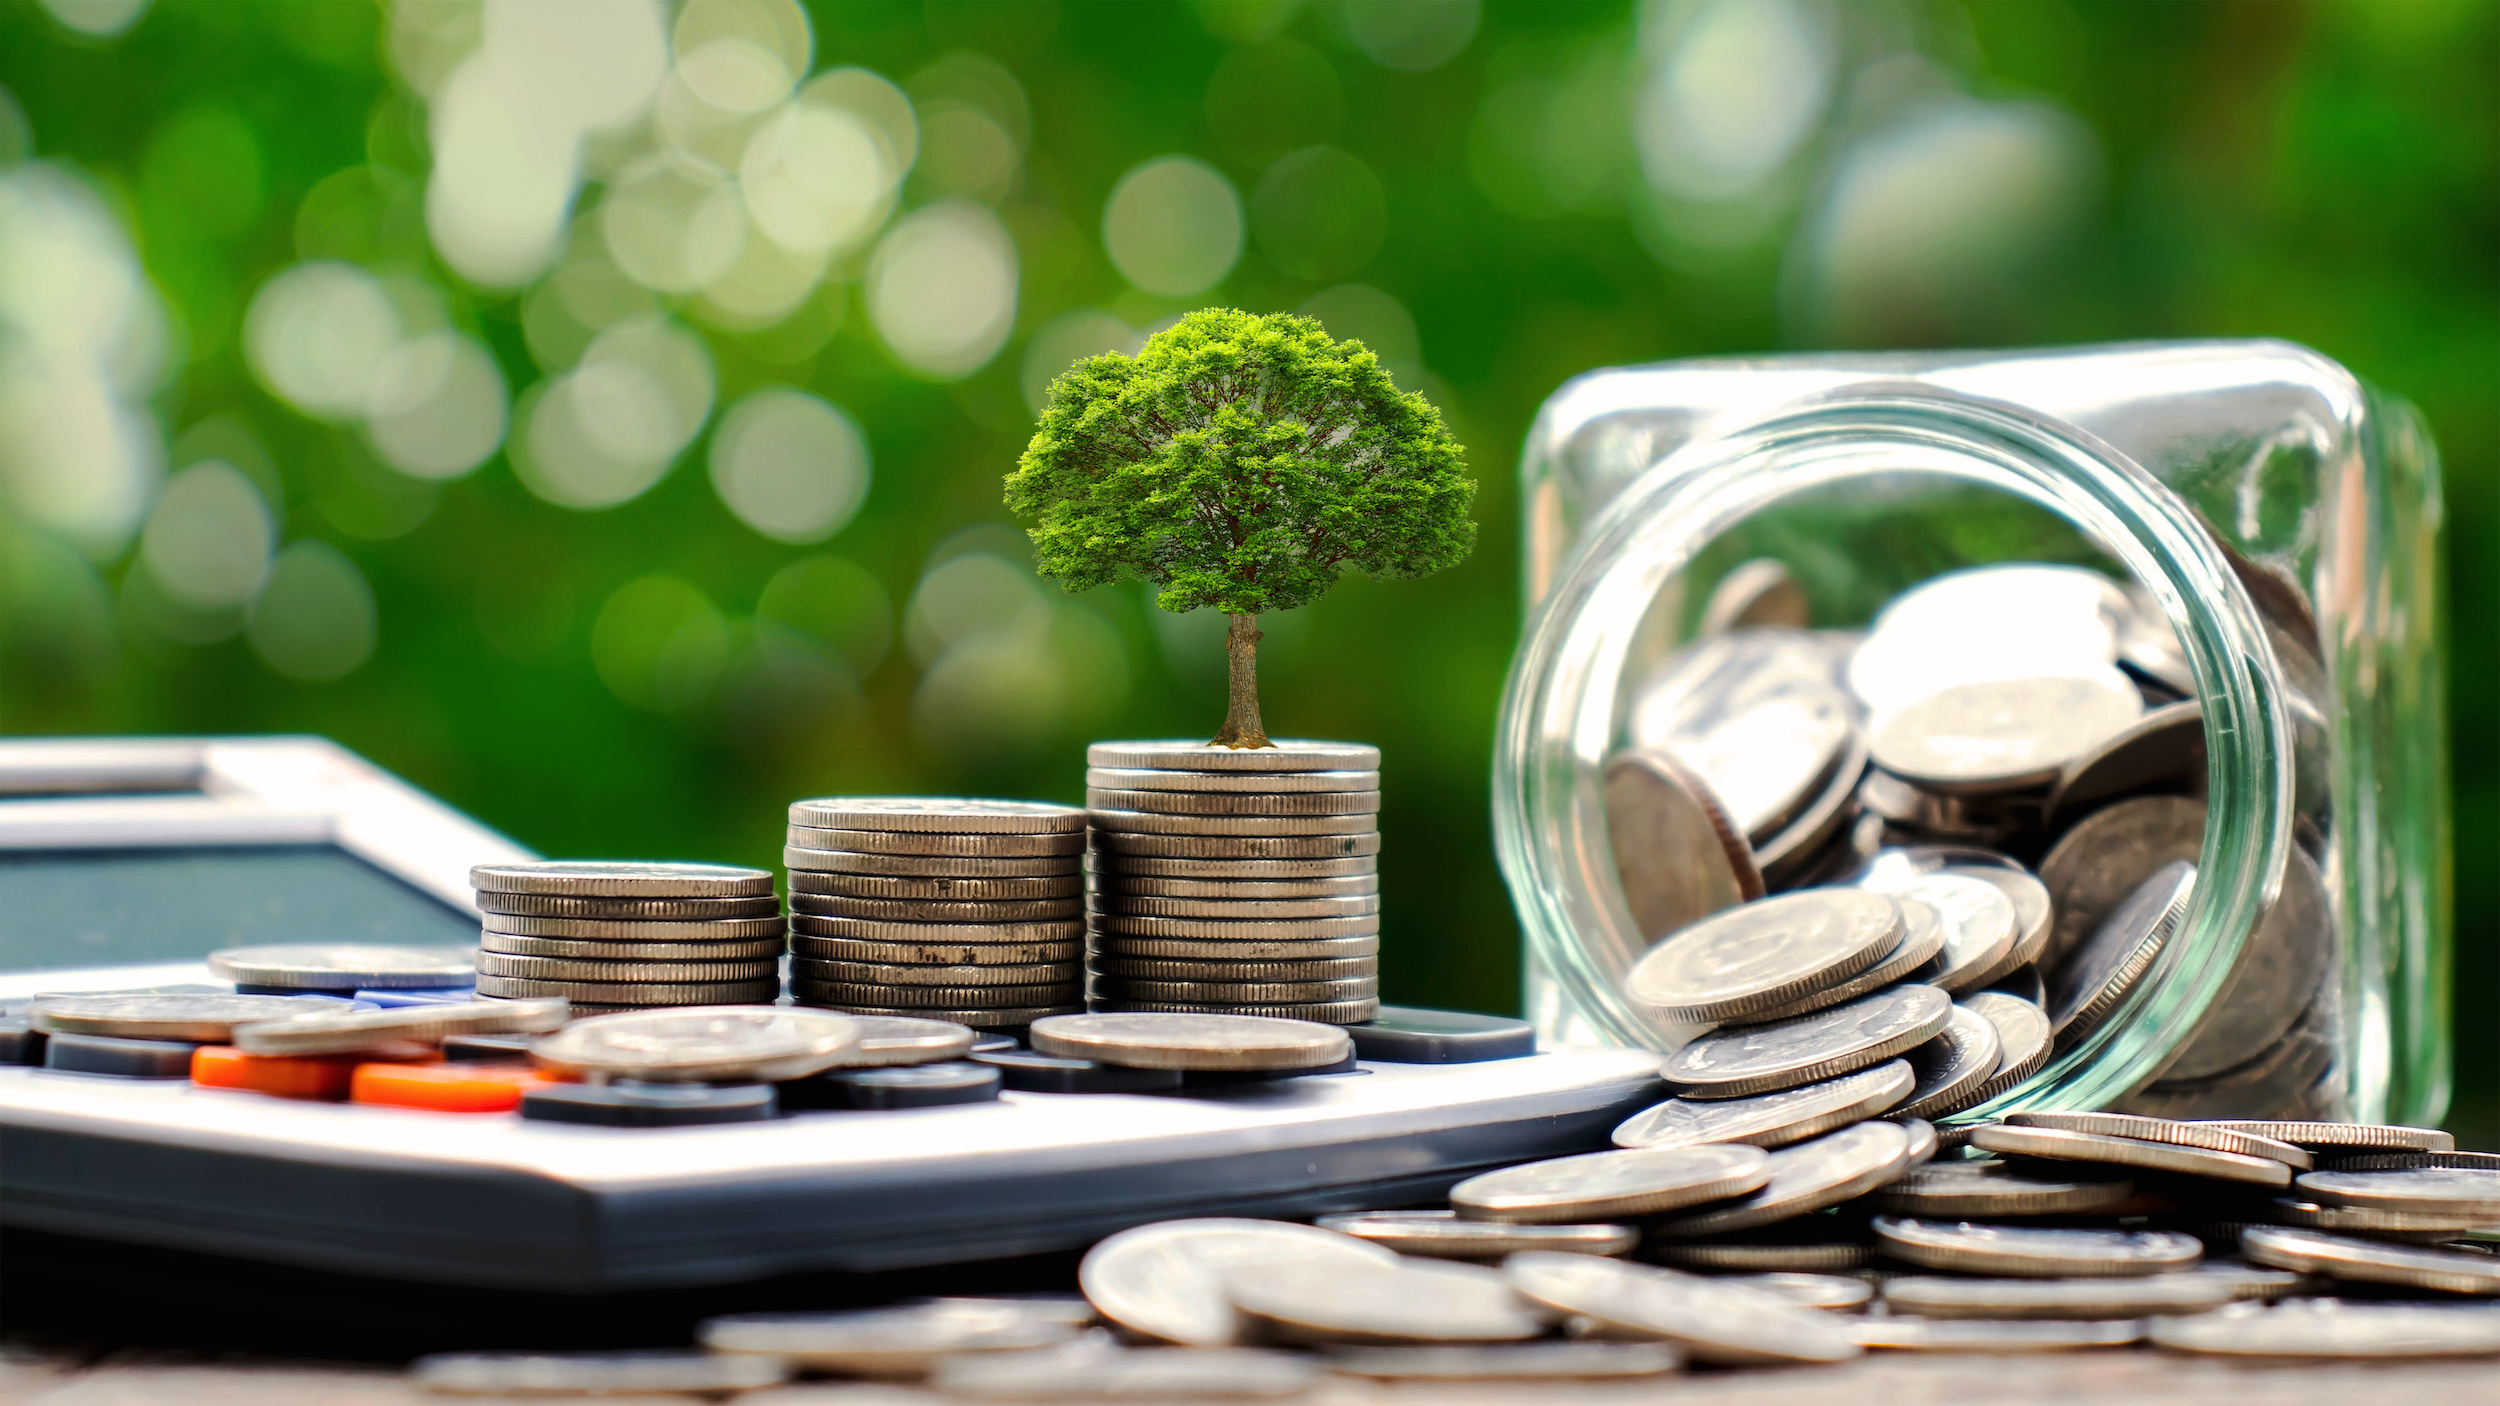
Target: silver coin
[
  {"x": 2282, "y": 962},
  {"x": 2149, "y": 1296},
  {"x": 2108, "y": 856},
  {"x": 619, "y": 969},
  {"x": 1788, "y": 1257},
  {"x": 1254, "y": 870},
  {"x": 512, "y": 946},
  {"x": 721, "y": 1046},
  {"x": 1953, "y": 1067},
  {"x": 893, "y": 974},
  {"x": 1236, "y": 910},
  {"x": 1764, "y": 756},
  {"x": 968, "y": 954},
  {"x": 1538, "y": 1361},
  {"x": 637, "y": 910},
  {"x": 2104, "y": 1150},
  {"x": 1913, "y": 957},
  {"x": 1410, "y": 1301},
  {"x": 883, "y": 930},
  {"x": 2148, "y": 645},
  {"x": 991, "y": 1018},
  {"x": 1233, "y": 929},
  {"x": 2428, "y": 1227},
  {"x": 1677, "y": 855},
  {"x": 1765, "y": 955},
  {"x": 1993, "y": 1190},
  {"x": 593, "y": 1373},
  {"x": 1232, "y": 826},
  {"x": 633, "y": 993},
  {"x": 1233, "y": 803},
  {"x": 886, "y": 1041},
  {"x": 2329, "y": 1328},
  {"x": 2248, "y": 1282},
  {"x": 1114, "y": 946},
  {"x": 1166, "y": 1280},
  {"x": 2352, "y": 1258},
  {"x": 1165, "y": 1041},
  {"x": 1599, "y": 1185},
  {"x": 1754, "y": 595},
  {"x": 622, "y": 879},
  {"x": 1361, "y": 843},
  {"x": 898, "y": 1340},
  {"x": 1157, "y": 969},
  {"x": 1264, "y": 783},
  {"x": 2034, "y": 917},
  {"x": 930, "y": 910},
  {"x": 727, "y": 930},
  {"x": 949, "y": 815},
  {"x": 817, "y": 841},
  {"x": 903, "y": 997},
  {"x": 1083, "y": 1371},
  {"x": 1189, "y": 754},
  {"x": 2168, "y": 1130},
  {"x": 2024, "y": 1040},
  {"x": 2164, "y": 747},
  {"x": 1980, "y": 924},
  {"x": 1987, "y": 622},
  {"x": 1228, "y": 993},
  {"x": 2004, "y": 734},
  {"x": 887, "y": 886},
  {"x": 2421, "y": 1190},
  {"x": 2033, "y": 1252},
  {"x": 1157, "y": 886},
  {"x": 1833, "y": 1293},
  {"x": 352, "y": 1032},
  {"x": 206, "y": 1017},
  {"x": 2098, "y": 976},
  {"x": 342, "y": 966},
  {"x": 1753, "y": 1059},
  {"x": 1786, "y": 857},
  {"x": 2323, "y": 1136},
  {"x": 1447, "y": 1236},
  {"x": 1324, "y": 1013},
  {"x": 1728, "y": 1325},
  {"x": 933, "y": 866},
  {"x": 1809, "y": 1176},
  {"x": 1774, "y": 1119},
  {"x": 1985, "y": 1335}
]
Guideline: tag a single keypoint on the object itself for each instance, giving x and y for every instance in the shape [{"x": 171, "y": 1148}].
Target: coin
[
  {"x": 2168, "y": 1130},
  {"x": 1167, "y": 1280},
  {"x": 2316, "y": 1136},
  {"x": 2110, "y": 1151},
  {"x": 1164, "y": 1041},
  {"x": 950, "y": 815},
  {"x": 1285, "y": 754},
  {"x": 2108, "y": 856},
  {"x": 1233, "y": 826},
  {"x": 2034, "y": 915},
  {"x": 931, "y": 866},
  {"x": 2023, "y": 1040},
  {"x": 2033, "y": 1252},
  {"x": 817, "y": 841},
  {"x": 1535, "y": 1361},
  {"x": 1081, "y": 1372},
  {"x": 1325, "y": 1013},
  {"x": 889, "y": 974},
  {"x": 1797, "y": 1257},
  {"x": 930, "y": 910},
  {"x": 2419, "y": 1190},
  {"x": 205, "y": 1016},
  {"x": 890, "y": 888},
  {"x": 540, "y": 905},
  {"x": 593, "y": 1373},
  {"x": 1598, "y": 1185},
  {"x": 2371, "y": 1261},
  {"x": 2401, "y": 1161},
  {"x": 1764, "y": 747},
  {"x": 1925, "y": 1141},
  {"x": 1764, "y": 955},
  {"x": 2165, "y": 747},
  {"x": 720, "y": 1046},
  {"x": 1677, "y": 855},
  {"x": 1254, "y": 870},
  {"x": 352, "y": 1031},
  {"x": 1112, "y": 947},
  {"x": 1753, "y": 1059},
  {"x": 2329, "y": 1328},
  {"x": 1922, "y": 942},
  {"x": 2281, "y": 963},
  {"x": 967, "y": 954},
  {"x": 881, "y": 930},
  {"x": 1407, "y": 1301},
  {"x": 991, "y": 1018},
  {"x": 2143, "y": 1297},
  {"x": 878, "y": 993},
  {"x": 2248, "y": 1282},
  {"x": 1445, "y": 1235},
  {"x": 634, "y": 993},
  {"x": 341, "y": 966},
  {"x": 1953, "y": 1067},
  {"x": 611, "y": 930},
  {"x": 1154, "y": 886},
  {"x": 1832, "y": 1293},
  {"x": 1233, "y": 803},
  {"x": 1773, "y": 1119},
  {"x": 1808, "y": 1176},
  {"x": 901, "y": 1339},
  {"x": 2099, "y": 975},
  {"x": 1233, "y": 910},
  {"x": 1164, "y": 970},
  {"x": 886, "y": 1041},
  {"x": 610, "y": 969},
  {"x": 1361, "y": 843},
  {"x": 625, "y": 879},
  {"x": 1992, "y": 1190},
  {"x": 1225, "y": 993},
  {"x": 1265, "y": 783},
  {"x": 1299, "y": 930},
  {"x": 1729, "y": 1325},
  {"x": 2426, "y": 1226},
  {"x": 1787, "y": 856},
  {"x": 1979, "y": 924},
  {"x": 1984, "y": 1335},
  {"x": 511, "y": 946}
]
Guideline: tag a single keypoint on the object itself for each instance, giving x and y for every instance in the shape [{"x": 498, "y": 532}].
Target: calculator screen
[{"x": 81, "y": 908}]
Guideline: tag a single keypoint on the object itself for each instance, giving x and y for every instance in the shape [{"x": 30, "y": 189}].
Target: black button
[
  {"x": 1413, "y": 1035},
  {"x": 630, "y": 1103}
]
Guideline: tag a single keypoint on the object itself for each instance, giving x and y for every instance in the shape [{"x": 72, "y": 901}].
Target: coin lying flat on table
[
  {"x": 207, "y": 1016},
  {"x": 1809, "y": 1176},
  {"x": 2095, "y": 1298},
  {"x": 699, "y": 1043},
  {"x": 1774, "y": 1119},
  {"x": 1284, "y": 754},
  {"x": 886, "y": 1041},
  {"x": 1833, "y": 1293},
  {"x": 1766, "y": 954},
  {"x": 900, "y": 1340},
  {"x": 342, "y": 966},
  {"x": 1218, "y": 1042},
  {"x": 2327, "y": 1328},
  {"x": 1444, "y": 1235},
  {"x": 594, "y": 1373},
  {"x": 1991, "y": 1190},
  {"x": 1410, "y": 1301},
  {"x": 1115, "y": 1374},
  {"x": 2321, "y": 1136},
  {"x": 1753, "y": 1059},
  {"x": 1599, "y": 1185},
  {"x": 2371, "y": 1261},
  {"x": 1729, "y": 1325},
  {"x": 2205, "y": 1135},
  {"x": 603, "y": 879},
  {"x": 1987, "y": 1335},
  {"x": 2131, "y": 1152},
  {"x": 351, "y": 1031},
  {"x": 2029, "y": 1252},
  {"x": 953, "y": 815},
  {"x": 1167, "y": 1280},
  {"x": 1537, "y": 1361},
  {"x": 2426, "y": 1226},
  {"x": 2423, "y": 1190}
]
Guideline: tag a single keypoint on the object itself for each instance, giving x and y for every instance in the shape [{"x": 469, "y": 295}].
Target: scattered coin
[
  {"x": 2206, "y": 1135},
  {"x": 886, "y": 1040},
  {"x": 1994, "y": 1190},
  {"x": 627, "y": 930},
  {"x": 1166, "y": 1041},
  {"x": 1774, "y": 1119},
  {"x": 1407, "y": 1301},
  {"x": 1924, "y": 1142},
  {"x": 1286, "y": 754},
  {"x": 1598, "y": 1185},
  {"x": 1444, "y": 1235},
  {"x": 1954, "y": 1066},
  {"x": 1114, "y": 1374},
  {"x": 1809, "y": 1176},
  {"x": 1537, "y": 1361},
  {"x": 1166, "y": 1280},
  {"x": 593, "y": 1373},
  {"x": 2024, "y": 1040},
  {"x": 1916, "y": 955},
  {"x": 951, "y": 815},
  {"x": 2427, "y": 1226},
  {"x": 2165, "y": 745},
  {"x": 717, "y": 1045},
  {"x": 342, "y": 966},
  {"x": 898, "y": 1341},
  {"x": 1756, "y": 1059},
  {"x": 2034, "y": 916},
  {"x": 2420, "y": 1190},
  {"x": 1833, "y": 1293},
  {"x": 1766, "y": 954},
  {"x": 2005, "y": 734},
  {"x": 1729, "y": 1325},
  {"x": 2098, "y": 976},
  {"x": 207, "y": 1017},
  {"x": 1758, "y": 1257},
  {"x": 2248, "y": 1282},
  {"x": 2332, "y": 1328},
  {"x": 1980, "y": 924},
  {"x": 2031, "y": 1252},
  {"x": 2320, "y": 1136},
  {"x": 1983, "y": 1335},
  {"x": 599, "y": 879},
  {"x": 2371, "y": 1261},
  {"x": 351, "y": 1031},
  {"x": 2131, "y": 1152},
  {"x": 2143, "y": 1297},
  {"x": 2109, "y": 855},
  {"x": 1677, "y": 855}
]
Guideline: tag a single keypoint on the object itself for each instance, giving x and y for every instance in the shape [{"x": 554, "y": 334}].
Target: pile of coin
[
  {"x": 1243, "y": 881},
  {"x": 619, "y": 935},
  {"x": 953, "y": 909},
  {"x": 2020, "y": 728}
]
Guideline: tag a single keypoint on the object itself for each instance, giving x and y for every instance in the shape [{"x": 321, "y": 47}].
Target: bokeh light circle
[
  {"x": 1319, "y": 213},
  {"x": 789, "y": 465},
  {"x": 314, "y": 619},
  {"x": 437, "y": 406},
  {"x": 1173, "y": 226},
  {"x": 942, "y": 289},
  {"x": 317, "y": 333},
  {"x": 208, "y": 540}
]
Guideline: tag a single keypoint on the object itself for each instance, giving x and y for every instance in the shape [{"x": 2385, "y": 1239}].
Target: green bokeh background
[{"x": 2319, "y": 172}]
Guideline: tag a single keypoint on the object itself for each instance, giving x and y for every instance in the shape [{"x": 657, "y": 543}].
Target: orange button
[
  {"x": 445, "y": 1088},
  {"x": 288, "y": 1076}
]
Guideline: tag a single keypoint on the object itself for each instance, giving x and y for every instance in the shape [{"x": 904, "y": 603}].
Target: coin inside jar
[
  {"x": 1751, "y": 1059},
  {"x": 1773, "y": 1119},
  {"x": 1765, "y": 954}
]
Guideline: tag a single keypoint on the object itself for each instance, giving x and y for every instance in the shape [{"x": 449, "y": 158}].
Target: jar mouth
[{"x": 1562, "y": 710}]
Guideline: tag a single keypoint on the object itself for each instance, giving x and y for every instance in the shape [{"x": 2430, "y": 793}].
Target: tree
[{"x": 1245, "y": 463}]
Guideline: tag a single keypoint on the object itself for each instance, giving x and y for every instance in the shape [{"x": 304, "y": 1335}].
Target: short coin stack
[
  {"x": 1234, "y": 880},
  {"x": 625, "y": 936},
  {"x": 945, "y": 908}
]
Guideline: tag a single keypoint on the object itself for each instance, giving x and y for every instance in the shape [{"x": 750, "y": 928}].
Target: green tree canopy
[{"x": 1242, "y": 462}]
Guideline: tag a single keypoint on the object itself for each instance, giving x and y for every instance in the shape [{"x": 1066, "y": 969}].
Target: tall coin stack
[
  {"x": 1239, "y": 881},
  {"x": 628, "y": 936},
  {"x": 949, "y": 909}
]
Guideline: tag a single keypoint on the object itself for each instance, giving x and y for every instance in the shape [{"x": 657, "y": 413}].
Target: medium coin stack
[
  {"x": 945, "y": 908},
  {"x": 625, "y": 935},
  {"x": 1234, "y": 881}
]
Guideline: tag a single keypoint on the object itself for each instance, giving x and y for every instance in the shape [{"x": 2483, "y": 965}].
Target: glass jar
[{"x": 2282, "y": 517}]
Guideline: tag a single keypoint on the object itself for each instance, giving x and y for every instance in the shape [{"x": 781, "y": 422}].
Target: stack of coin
[
  {"x": 625, "y": 935},
  {"x": 947, "y": 908},
  {"x": 1234, "y": 880}
]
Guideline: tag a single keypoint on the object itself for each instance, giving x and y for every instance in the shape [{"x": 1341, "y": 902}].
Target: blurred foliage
[{"x": 580, "y": 679}]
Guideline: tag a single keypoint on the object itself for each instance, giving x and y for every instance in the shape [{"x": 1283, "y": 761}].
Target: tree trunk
[{"x": 1241, "y": 716}]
